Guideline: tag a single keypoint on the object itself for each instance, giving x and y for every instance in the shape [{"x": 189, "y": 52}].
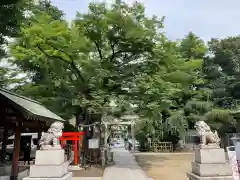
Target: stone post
[
  {"x": 210, "y": 164},
  {"x": 51, "y": 165}
]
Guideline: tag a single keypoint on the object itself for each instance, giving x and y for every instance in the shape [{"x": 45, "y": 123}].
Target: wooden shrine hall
[{"x": 18, "y": 113}]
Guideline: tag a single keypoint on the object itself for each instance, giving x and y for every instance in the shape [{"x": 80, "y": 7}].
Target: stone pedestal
[
  {"x": 51, "y": 165},
  {"x": 210, "y": 164}
]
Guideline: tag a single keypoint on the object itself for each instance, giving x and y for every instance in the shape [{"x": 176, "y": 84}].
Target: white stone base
[
  {"x": 49, "y": 157},
  {"x": 67, "y": 176},
  {"x": 48, "y": 170},
  {"x": 210, "y": 156},
  {"x": 209, "y": 170},
  {"x": 210, "y": 164},
  {"x": 192, "y": 176}
]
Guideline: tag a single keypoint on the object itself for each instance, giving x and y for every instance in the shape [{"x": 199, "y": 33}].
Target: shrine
[
  {"x": 75, "y": 137},
  {"x": 19, "y": 113}
]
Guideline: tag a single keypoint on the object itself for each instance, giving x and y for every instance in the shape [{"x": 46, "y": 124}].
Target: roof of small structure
[{"x": 31, "y": 109}]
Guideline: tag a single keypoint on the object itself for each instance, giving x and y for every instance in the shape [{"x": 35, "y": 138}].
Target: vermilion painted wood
[
  {"x": 72, "y": 133},
  {"x": 74, "y": 137},
  {"x": 69, "y": 138}
]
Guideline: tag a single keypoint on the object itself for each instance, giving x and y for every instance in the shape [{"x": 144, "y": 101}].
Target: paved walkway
[
  {"x": 86, "y": 178},
  {"x": 125, "y": 168}
]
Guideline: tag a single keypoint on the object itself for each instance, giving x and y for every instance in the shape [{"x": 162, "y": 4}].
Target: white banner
[{"x": 93, "y": 143}]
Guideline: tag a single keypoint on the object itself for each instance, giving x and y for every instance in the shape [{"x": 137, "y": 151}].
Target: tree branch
[
  {"x": 72, "y": 64},
  {"x": 113, "y": 51},
  {"x": 95, "y": 42},
  {"x": 98, "y": 49}
]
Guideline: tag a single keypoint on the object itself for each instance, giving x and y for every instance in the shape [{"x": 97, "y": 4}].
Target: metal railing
[
  {"x": 227, "y": 141},
  {"x": 68, "y": 153},
  {"x": 161, "y": 146}
]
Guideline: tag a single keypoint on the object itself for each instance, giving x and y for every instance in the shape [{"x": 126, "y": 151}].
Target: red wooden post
[{"x": 75, "y": 152}]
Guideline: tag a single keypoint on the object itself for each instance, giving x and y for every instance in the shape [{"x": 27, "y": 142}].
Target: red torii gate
[{"x": 74, "y": 137}]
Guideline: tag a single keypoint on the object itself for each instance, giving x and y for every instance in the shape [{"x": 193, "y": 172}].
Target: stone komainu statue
[
  {"x": 205, "y": 133},
  {"x": 50, "y": 139}
]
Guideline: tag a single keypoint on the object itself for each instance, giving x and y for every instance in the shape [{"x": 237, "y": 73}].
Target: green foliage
[
  {"x": 192, "y": 47},
  {"x": 3, "y": 77},
  {"x": 69, "y": 128},
  {"x": 9, "y": 77},
  {"x": 167, "y": 88},
  {"x": 220, "y": 116},
  {"x": 117, "y": 54},
  {"x": 11, "y": 16},
  {"x": 180, "y": 89},
  {"x": 92, "y": 62},
  {"x": 222, "y": 71}
]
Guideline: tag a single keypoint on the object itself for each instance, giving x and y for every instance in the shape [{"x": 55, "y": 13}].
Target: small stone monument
[
  {"x": 50, "y": 162},
  {"x": 210, "y": 160}
]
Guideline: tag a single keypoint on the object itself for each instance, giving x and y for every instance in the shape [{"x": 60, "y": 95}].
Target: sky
[{"x": 206, "y": 18}]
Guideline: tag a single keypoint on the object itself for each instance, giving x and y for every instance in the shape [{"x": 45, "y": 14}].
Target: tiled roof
[{"x": 30, "y": 108}]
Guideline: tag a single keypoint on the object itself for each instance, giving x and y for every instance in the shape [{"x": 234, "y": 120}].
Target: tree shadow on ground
[
  {"x": 89, "y": 172},
  {"x": 149, "y": 161}
]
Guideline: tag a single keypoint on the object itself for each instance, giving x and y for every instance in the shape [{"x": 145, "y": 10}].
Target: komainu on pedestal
[
  {"x": 210, "y": 160},
  {"x": 207, "y": 137},
  {"x": 50, "y": 162},
  {"x": 50, "y": 140}
]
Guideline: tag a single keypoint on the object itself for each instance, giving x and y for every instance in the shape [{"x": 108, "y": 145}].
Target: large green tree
[
  {"x": 118, "y": 54},
  {"x": 192, "y": 47},
  {"x": 83, "y": 66},
  {"x": 222, "y": 70},
  {"x": 177, "y": 91},
  {"x": 164, "y": 88}
]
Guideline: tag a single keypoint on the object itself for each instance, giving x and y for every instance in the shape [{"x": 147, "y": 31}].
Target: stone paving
[
  {"x": 125, "y": 167},
  {"x": 86, "y": 178}
]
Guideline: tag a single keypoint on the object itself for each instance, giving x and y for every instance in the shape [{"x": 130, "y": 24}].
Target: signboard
[
  {"x": 93, "y": 143},
  {"x": 233, "y": 162}
]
